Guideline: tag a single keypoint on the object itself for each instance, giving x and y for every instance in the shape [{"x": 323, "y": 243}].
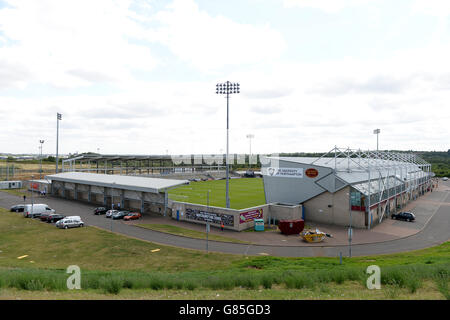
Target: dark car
[
  {"x": 119, "y": 215},
  {"x": 100, "y": 210},
  {"x": 249, "y": 174},
  {"x": 44, "y": 216},
  {"x": 17, "y": 208},
  {"x": 407, "y": 216},
  {"x": 55, "y": 217}
]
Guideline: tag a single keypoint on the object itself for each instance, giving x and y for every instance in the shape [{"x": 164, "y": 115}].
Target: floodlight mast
[
  {"x": 227, "y": 88},
  {"x": 377, "y": 132},
  {"x": 58, "y": 118},
  {"x": 40, "y": 159}
]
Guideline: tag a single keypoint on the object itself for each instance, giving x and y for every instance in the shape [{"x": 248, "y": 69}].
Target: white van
[
  {"x": 70, "y": 222},
  {"x": 35, "y": 210}
]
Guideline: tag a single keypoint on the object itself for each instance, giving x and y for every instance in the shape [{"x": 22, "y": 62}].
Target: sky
[{"x": 139, "y": 77}]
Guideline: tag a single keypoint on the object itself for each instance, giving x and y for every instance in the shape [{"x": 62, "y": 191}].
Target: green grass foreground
[
  {"x": 113, "y": 264},
  {"x": 244, "y": 193}
]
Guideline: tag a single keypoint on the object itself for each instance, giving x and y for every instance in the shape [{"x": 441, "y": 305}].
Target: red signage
[
  {"x": 311, "y": 173},
  {"x": 250, "y": 215}
]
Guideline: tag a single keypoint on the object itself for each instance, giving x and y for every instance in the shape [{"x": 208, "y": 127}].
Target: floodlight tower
[
  {"x": 58, "y": 118},
  {"x": 377, "y": 132},
  {"x": 227, "y": 88},
  {"x": 250, "y": 137}
]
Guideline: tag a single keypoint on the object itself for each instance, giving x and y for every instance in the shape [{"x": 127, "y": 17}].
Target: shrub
[{"x": 110, "y": 284}]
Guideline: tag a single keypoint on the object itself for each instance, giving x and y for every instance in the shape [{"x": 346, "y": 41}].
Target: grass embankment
[
  {"x": 187, "y": 232},
  {"x": 244, "y": 193},
  {"x": 130, "y": 268}
]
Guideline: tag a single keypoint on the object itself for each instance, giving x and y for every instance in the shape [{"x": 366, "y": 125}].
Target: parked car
[
  {"x": 407, "y": 216},
  {"x": 119, "y": 215},
  {"x": 17, "y": 208},
  {"x": 35, "y": 210},
  {"x": 44, "y": 216},
  {"x": 54, "y": 217},
  {"x": 249, "y": 174},
  {"x": 109, "y": 213},
  {"x": 67, "y": 223},
  {"x": 444, "y": 178},
  {"x": 100, "y": 210},
  {"x": 132, "y": 216}
]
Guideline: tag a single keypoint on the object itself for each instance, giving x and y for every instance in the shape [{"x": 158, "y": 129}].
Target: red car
[{"x": 132, "y": 216}]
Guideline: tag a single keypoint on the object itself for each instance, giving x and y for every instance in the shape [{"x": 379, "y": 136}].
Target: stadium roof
[
  {"x": 153, "y": 185},
  {"x": 354, "y": 170}
]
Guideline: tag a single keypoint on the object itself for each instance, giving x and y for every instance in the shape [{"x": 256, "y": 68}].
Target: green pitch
[{"x": 244, "y": 193}]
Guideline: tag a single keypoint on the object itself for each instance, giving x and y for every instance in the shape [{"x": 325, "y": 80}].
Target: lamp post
[
  {"x": 40, "y": 159},
  {"x": 377, "y": 132},
  {"x": 58, "y": 117},
  {"x": 250, "y": 137},
  {"x": 227, "y": 88},
  {"x": 32, "y": 201}
]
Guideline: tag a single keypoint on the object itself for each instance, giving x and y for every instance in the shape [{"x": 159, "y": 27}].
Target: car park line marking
[
  {"x": 21, "y": 257},
  {"x": 155, "y": 250},
  {"x": 263, "y": 254}
]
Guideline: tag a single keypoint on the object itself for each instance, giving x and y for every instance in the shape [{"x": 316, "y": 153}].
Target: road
[{"x": 435, "y": 232}]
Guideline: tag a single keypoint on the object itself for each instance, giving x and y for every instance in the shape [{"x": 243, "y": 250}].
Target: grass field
[
  {"x": 187, "y": 232},
  {"x": 116, "y": 266},
  {"x": 244, "y": 193}
]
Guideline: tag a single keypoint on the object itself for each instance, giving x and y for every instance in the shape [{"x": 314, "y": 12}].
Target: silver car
[
  {"x": 110, "y": 213},
  {"x": 67, "y": 223}
]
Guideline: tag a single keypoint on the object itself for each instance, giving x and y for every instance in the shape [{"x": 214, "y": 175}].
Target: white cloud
[
  {"x": 439, "y": 8},
  {"x": 58, "y": 41},
  {"x": 329, "y": 6},
  {"x": 210, "y": 43}
]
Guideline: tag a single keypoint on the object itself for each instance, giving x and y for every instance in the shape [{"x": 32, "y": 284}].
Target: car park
[
  {"x": 407, "y": 216},
  {"x": 109, "y": 213},
  {"x": 132, "y": 216},
  {"x": 35, "y": 210},
  {"x": 68, "y": 222},
  {"x": 100, "y": 210},
  {"x": 119, "y": 215},
  {"x": 17, "y": 208}
]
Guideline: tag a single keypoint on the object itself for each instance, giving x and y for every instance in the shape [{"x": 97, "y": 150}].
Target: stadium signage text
[
  {"x": 250, "y": 215},
  {"x": 284, "y": 172}
]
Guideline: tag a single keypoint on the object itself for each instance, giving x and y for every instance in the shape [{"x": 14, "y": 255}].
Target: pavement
[{"x": 431, "y": 228}]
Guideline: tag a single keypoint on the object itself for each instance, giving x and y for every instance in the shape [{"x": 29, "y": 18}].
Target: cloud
[
  {"x": 12, "y": 75},
  {"x": 439, "y": 8},
  {"x": 267, "y": 109},
  {"x": 381, "y": 84},
  {"x": 268, "y": 93},
  {"x": 210, "y": 43},
  {"x": 73, "y": 43},
  {"x": 328, "y": 6}
]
